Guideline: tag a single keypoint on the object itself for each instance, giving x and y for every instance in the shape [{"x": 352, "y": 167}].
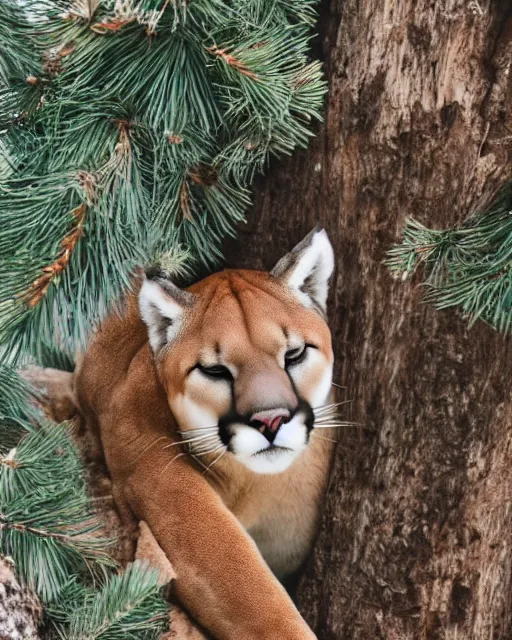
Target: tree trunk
[{"x": 416, "y": 540}]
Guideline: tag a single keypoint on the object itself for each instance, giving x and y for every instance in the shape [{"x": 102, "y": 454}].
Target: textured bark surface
[
  {"x": 416, "y": 540},
  {"x": 20, "y": 609}
]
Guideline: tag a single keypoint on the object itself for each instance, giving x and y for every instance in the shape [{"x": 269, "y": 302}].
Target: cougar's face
[{"x": 245, "y": 363}]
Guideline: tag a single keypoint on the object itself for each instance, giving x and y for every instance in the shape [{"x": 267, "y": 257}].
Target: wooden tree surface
[{"x": 416, "y": 540}]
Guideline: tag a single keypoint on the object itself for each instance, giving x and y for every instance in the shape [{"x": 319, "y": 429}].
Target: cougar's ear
[
  {"x": 307, "y": 269},
  {"x": 162, "y": 305}
]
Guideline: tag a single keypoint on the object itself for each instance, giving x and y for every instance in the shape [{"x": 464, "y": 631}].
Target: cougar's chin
[
  {"x": 271, "y": 461},
  {"x": 253, "y": 450}
]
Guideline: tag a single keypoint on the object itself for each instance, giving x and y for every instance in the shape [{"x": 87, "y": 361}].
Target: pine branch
[
  {"x": 55, "y": 356},
  {"x": 68, "y": 243},
  {"x": 46, "y": 524},
  {"x": 232, "y": 61},
  {"x": 261, "y": 12},
  {"x": 18, "y": 412},
  {"x": 129, "y": 606},
  {"x": 20, "y": 71},
  {"x": 49, "y": 531},
  {"x": 469, "y": 266},
  {"x": 135, "y": 97}
]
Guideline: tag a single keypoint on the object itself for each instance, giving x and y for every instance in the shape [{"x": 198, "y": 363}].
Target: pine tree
[{"x": 130, "y": 133}]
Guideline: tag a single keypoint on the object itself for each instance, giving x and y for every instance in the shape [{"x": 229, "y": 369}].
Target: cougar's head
[{"x": 245, "y": 356}]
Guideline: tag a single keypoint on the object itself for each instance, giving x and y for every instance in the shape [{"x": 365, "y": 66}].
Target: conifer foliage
[
  {"x": 468, "y": 267},
  {"x": 139, "y": 128},
  {"x": 50, "y": 533},
  {"x": 130, "y": 132}
]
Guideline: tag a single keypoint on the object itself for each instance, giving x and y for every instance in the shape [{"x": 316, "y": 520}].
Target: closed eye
[
  {"x": 217, "y": 371},
  {"x": 297, "y": 355}
]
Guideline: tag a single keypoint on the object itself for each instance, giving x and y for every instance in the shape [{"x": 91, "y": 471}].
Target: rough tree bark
[{"x": 416, "y": 541}]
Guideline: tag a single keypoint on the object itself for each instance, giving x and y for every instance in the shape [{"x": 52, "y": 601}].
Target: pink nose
[{"x": 271, "y": 419}]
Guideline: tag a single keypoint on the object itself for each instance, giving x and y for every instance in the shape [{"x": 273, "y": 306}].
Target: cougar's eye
[
  {"x": 216, "y": 371},
  {"x": 296, "y": 355}
]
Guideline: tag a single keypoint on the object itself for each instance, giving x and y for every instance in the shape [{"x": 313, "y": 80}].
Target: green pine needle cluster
[
  {"x": 468, "y": 266},
  {"x": 18, "y": 413},
  {"x": 42, "y": 487},
  {"x": 18, "y": 61},
  {"x": 128, "y": 606},
  {"x": 142, "y": 125},
  {"x": 49, "y": 530}
]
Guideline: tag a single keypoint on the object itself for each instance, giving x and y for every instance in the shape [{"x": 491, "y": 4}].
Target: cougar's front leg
[{"x": 222, "y": 578}]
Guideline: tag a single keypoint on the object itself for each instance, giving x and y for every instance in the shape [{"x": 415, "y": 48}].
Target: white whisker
[
  {"x": 335, "y": 418},
  {"x": 211, "y": 426},
  {"x": 325, "y": 426},
  {"x": 196, "y": 439},
  {"x": 207, "y": 436},
  {"x": 206, "y": 447},
  {"x": 334, "y": 425},
  {"x": 328, "y": 407},
  {"x": 141, "y": 453},
  {"x": 204, "y": 453},
  {"x": 215, "y": 461},
  {"x": 338, "y": 386},
  {"x": 171, "y": 461},
  {"x": 336, "y": 422},
  {"x": 200, "y": 462},
  {"x": 191, "y": 433}
]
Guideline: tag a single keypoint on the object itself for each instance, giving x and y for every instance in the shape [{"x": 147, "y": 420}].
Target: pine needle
[
  {"x": 121, "y": 83},
  {"x": 469, "y": 266}
]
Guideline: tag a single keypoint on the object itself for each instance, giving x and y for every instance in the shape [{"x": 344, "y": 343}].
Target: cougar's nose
[{"x": 268, "y": 422}]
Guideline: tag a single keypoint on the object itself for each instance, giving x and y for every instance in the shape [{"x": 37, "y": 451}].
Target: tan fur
[
  {"x": 221, "y": 529},
  {"x": 56, "y": 391}
]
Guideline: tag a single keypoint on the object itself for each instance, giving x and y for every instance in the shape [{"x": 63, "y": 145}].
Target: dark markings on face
[{"x": 303, "y": 409}]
